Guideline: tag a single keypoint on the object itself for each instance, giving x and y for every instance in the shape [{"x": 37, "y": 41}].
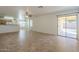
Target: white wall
[
  {"x": 48, "y": 23},
  {"x": 45, "y": 24}
]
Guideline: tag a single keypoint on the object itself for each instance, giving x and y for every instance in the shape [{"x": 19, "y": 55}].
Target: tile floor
[{"x": 24, "y": 41}]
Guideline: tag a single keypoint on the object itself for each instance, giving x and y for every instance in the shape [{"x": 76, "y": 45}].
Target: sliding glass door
[
  {"x": 71, "y": 26},
  {"x": 67, "y": 26},
  {"x": 61, "y": 26}
]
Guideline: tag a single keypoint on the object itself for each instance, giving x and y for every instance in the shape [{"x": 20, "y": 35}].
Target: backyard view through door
[{"x": 67, "y": 26}]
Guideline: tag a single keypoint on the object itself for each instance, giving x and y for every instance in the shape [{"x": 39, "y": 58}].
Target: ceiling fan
[
  {"x": 40, "y": 6},
  {"x": 28, "y": 12}
]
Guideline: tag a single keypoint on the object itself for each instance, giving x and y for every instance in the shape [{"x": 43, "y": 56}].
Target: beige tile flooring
[{"x": 36, "y": 42}]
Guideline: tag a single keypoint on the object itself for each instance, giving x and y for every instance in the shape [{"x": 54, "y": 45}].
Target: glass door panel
[
  {"x": 67, "y": 26},
  {"x": 71, "y": 26},
  {"x": 61, "y": 26}
]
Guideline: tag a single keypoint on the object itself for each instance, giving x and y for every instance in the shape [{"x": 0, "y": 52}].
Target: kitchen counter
[{"x": 9, "y": 28}]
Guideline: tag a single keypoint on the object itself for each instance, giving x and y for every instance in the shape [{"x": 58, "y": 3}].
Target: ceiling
[{"x": 34, "y": 10}]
